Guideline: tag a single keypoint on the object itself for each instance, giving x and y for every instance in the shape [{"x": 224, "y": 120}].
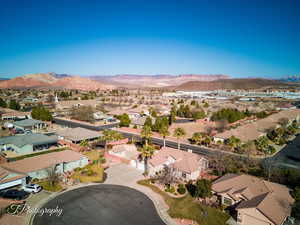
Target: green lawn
[
  {"x": 187, "y": 208},
  {"x": 45, "y": 184},
  {"x": 96, "y": 176}
]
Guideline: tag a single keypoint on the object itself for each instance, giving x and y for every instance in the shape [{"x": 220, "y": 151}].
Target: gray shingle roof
[
  {"x": 28, "y": 139},
  {"x": 27, "y": 122}
]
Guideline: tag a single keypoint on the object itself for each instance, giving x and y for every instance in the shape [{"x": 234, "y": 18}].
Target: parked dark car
[{"x": 14, "y": 194}]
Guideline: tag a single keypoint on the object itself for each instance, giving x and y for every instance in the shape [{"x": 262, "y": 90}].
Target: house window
[{"x": 227, "y": 201}]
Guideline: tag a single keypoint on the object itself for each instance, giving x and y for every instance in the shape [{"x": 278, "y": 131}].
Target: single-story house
[
  {"x": 28, "y": 143},
  {"x": 30, "y": 124},
  {"x": 39, "y": 166},
  {"x": 258, "y": 128},
  {"x": 78, "y": 134},
  {"x": 256, "y": 201},
  {"x": 140, "y": 121},
  {"x": 188, "y": 165},
  {"x": 16, "y": 115},
  {"x": 10, "y": 178}
]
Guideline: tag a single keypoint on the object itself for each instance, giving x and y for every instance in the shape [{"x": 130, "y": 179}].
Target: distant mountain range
[
  {"x": 163, "y": 80},
  {"x": 54, "y": 81},
  {"x": 291, "y": 78},
  {"x": 175, "y": 82}
]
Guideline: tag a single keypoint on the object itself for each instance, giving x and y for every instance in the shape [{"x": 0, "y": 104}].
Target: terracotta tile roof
[
  {"x": 270, "y": 206},
  {"x": 42, "y": 161},
  {"x": 254, "y": 130},
  {"x": 4, "y": 172},
  {"x": 184, "y": 161},
  {"x": 272, "y": 199}
]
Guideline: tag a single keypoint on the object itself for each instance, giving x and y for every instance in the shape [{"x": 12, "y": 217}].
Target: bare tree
[
  {"x": 52, "y": 175},
  {"x": 167, "y": 175}
]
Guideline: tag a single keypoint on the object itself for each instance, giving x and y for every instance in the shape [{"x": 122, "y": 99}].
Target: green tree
[
  {"x": 41, "y": 113},
  {"x": 164, "y": 132},
  {"x": 13, "y": 104},
  {"x": 3, "y": 104},
  {"x": 262, "y": 144},
  {"x": 233, "y": 142},
  {"x": 124, "y": 120},
  {"x": 198, "y": 115},
  {"x": 203, "y": 188},
  {"x": 148, "y": 122},
  {"x": 178, "y": 133},
  {"x": 197, "y": 138}
]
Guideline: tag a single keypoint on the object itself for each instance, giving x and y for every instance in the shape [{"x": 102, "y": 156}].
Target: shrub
[
  {"x": 181, "y": 189},
  {"x": 172, "y": 189},
  {"x": 77, "y": 169}
]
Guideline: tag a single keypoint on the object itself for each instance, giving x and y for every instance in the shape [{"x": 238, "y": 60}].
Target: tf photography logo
[{"x": 15, "y": 209}]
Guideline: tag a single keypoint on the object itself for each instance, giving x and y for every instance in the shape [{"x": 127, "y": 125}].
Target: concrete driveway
[
  {"x": 123, "y": 174},
  {"x": 101, "y": 204}
]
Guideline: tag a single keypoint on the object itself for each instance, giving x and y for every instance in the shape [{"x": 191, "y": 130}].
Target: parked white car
[{"x": 32, "y": 188}]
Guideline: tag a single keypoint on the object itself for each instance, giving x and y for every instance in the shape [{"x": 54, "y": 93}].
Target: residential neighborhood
[{"x": 150, "y": 112}]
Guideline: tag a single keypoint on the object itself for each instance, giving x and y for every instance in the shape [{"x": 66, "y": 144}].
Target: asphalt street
[
  {"x": 288, "y": 157},
  {"x": 102, "y": 204}
]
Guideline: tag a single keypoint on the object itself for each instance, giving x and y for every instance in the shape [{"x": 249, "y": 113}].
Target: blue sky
[{"x": 241, "y": 38}]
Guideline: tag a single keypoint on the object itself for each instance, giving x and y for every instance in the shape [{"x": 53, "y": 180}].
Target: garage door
[{"x": 10, "y": 184}]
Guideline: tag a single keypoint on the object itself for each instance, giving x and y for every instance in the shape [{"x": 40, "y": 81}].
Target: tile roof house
[
  {"x": 10, "y": 178},
  {"x": 28, "y": 143},
  {"x": 36, "y": 167},
  {"x": 188, "y": 165},
  {"x": 256, "y": 201},
  {"x": 78, "y": 134},
  {"x": 254, "y": 130},
  {"x": 15, "y": 115}
]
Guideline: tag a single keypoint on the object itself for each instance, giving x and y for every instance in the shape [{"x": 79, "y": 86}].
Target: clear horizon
[{"x": 251, "y": 38}]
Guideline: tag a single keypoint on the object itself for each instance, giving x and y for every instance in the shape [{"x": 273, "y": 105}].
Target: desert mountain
[
  {"x": 52, "y": 80},
  {"x": 233, "y": 84},
  {"x": 133, "y": 81}
]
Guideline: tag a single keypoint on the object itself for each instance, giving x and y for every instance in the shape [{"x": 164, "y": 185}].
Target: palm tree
[
  {"x": 146, "y": 134},
  {"x": 164, "y": 132},
  {"x": 233, "y": 142},
  {"x": 262, "y": 144},
  {"x": 207, "y": 140},
  {"x": 178, "y": 133},
  {"x": 147, "y": 152},
  {"x": 110, "y": 135},
  {"x": 197, "y": 138}
]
